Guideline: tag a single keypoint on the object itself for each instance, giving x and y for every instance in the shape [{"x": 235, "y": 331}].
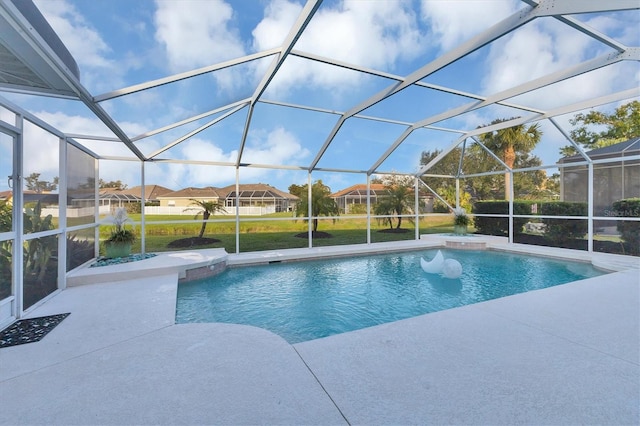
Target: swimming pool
[{"x": 307, "y": 300}]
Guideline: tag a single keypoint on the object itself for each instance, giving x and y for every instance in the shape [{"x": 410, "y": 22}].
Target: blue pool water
[{"x": 307, "y": 300}]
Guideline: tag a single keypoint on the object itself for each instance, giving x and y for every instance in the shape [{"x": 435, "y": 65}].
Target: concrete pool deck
[{"x": 564, "y": 355}]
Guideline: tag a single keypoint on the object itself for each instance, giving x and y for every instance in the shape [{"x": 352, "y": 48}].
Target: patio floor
[{"x": 564, "y": 355}]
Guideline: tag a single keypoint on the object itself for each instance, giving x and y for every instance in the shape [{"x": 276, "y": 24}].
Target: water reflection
[{"x": 445, "y": 285}]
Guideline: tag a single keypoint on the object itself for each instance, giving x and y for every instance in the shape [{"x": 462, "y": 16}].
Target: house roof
[
  {"x": 361, "y": 190},
  {"x": 191, "y": 192},
  {"x": 256, "y": 190},
  {"x": 358, "y": 189},
  {"x": 30, "y": 196},
  {"x": 151, "y": 192},
  {"x": 110, "y": 194},
  {"x": 626, "y": 148}
]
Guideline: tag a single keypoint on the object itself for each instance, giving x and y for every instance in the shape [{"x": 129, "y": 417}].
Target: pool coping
[{"x": 197, "y": 264}]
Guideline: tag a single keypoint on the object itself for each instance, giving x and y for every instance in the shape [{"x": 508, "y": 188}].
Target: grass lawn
[{"x": 259, "y": 234}]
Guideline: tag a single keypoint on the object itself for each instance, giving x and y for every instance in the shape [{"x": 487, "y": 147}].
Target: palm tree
[
  {"x": 398, "y": 200},
  {"x": 206, "y": 209},
  {"x": 321, "y": 203},
  {"x": 507, "y": 142}
]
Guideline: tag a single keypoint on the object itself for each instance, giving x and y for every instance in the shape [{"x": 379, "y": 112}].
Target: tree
[
  {"x": 321, "y": 203},
  {"x": 621, "y": 125},
  {"x": 528, "y": 185},
  {"x": 446, "y": 187},
  {"x": 298, "y": 190},
  {"x": 506, "y": 143},
  {"x": 206, "y": 209},
  {"x": 397, "y": 200},
  {"x": 33, "y": 183},
  {"x": 116, "y": 184},
  {"x": 6, "y": 216}
]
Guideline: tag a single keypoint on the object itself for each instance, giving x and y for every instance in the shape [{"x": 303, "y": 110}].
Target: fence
[
  {"x": 156, "y": 210},
  {"x": 231, "y": 211}
]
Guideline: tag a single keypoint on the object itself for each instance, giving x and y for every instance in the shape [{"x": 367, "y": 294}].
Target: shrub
[
  {"x": 6, "y": 216},
  {"x": 440, "y": 207},
  {"x": 133, "y": 208},
  {"x": 629, "y": 231},
  {"x": 563, "y": 230},
  {"x": 358, "y": 208},
  {"x": 78, "y": 251},
  {"x": 500, "y": 225},
  {"x": 460, "y": 217},
  {"x": 491, "y": 225}
]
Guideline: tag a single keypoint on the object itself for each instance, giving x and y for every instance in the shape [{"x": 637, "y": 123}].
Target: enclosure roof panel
[
  {"x": 351, "y": 87},
  {"x": 32, "y": 56}
]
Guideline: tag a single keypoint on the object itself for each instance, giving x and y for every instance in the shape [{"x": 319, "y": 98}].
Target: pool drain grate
[{"x": 29, "y": 330}]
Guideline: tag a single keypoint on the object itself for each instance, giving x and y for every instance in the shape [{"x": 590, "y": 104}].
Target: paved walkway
[{"x": 563, "y": 355}]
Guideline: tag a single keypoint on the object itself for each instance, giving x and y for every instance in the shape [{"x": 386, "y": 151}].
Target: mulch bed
[
  {"x": 29, "y": 330},
  {"x": 192, "y": 242},
  {"x": 394, "y": 231},
  {"x": 598, "y": 246},
  {"x": 538, "y": 240},
  {"x": 315, "y": 234}
]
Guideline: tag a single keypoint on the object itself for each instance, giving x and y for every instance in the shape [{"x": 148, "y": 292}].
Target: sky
[{"x": 120, "y": 43}]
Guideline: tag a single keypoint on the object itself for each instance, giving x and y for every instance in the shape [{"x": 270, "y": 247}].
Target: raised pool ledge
[
  {"x": 465, "y": 242},
  {"x": 189, "y": 265}
]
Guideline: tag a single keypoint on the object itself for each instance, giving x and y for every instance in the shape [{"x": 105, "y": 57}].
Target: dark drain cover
[{"x": 29, "y": 330}]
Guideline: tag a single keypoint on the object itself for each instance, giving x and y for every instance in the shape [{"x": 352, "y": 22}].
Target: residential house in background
[
  {"x": 353, "y": 200},
  {"x": 110, "y": 199},
  {"x": 183, "y": 197},
  {"x": 113, "y": 198},
  {"x": 612, "y": 181},
  {"x": 252, "y": 199},
  {"x": 151, "y": 193},
  {"x": 261, "y": 196}
]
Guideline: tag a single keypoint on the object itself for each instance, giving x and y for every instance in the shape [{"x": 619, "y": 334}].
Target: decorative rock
[{"x": 118, "y": 260}]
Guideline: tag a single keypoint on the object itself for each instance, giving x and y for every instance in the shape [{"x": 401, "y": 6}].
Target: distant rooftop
[{"x": 626, "y": 148}]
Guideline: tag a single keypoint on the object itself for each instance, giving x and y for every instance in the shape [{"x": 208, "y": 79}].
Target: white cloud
[
  {"x": 84, "y": 125},
  {"x": 623, "y": 26},
  {"x": 453, "y": 22},
  {"x": 42, "y": 157},
  {"x": 128, "y": 172},
  {"x": 277, "y": 147},
  {"x": 274, "y": 147},
  {"x": 74, "y": 124},
  {"x": 279, "y": 17},
  {"x": 541, "y": 48},
  {"x": 197, "y": 33},
  {"x": 371, "y": 34},
  {"x": 524, "y": 55},
  {"x": 41, "y": 152},
  {"x": 201, "y": 150},
  {"x": 84, "y": 42}
]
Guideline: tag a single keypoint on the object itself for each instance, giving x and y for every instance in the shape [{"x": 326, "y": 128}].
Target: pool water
[{"x": 303, "y": 301}]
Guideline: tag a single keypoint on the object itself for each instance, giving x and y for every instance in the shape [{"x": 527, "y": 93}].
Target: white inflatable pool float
[{"x": 435, "y": 265}]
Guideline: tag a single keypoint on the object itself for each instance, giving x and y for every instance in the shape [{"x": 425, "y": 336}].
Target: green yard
[{"x": 257, "y": 234}]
